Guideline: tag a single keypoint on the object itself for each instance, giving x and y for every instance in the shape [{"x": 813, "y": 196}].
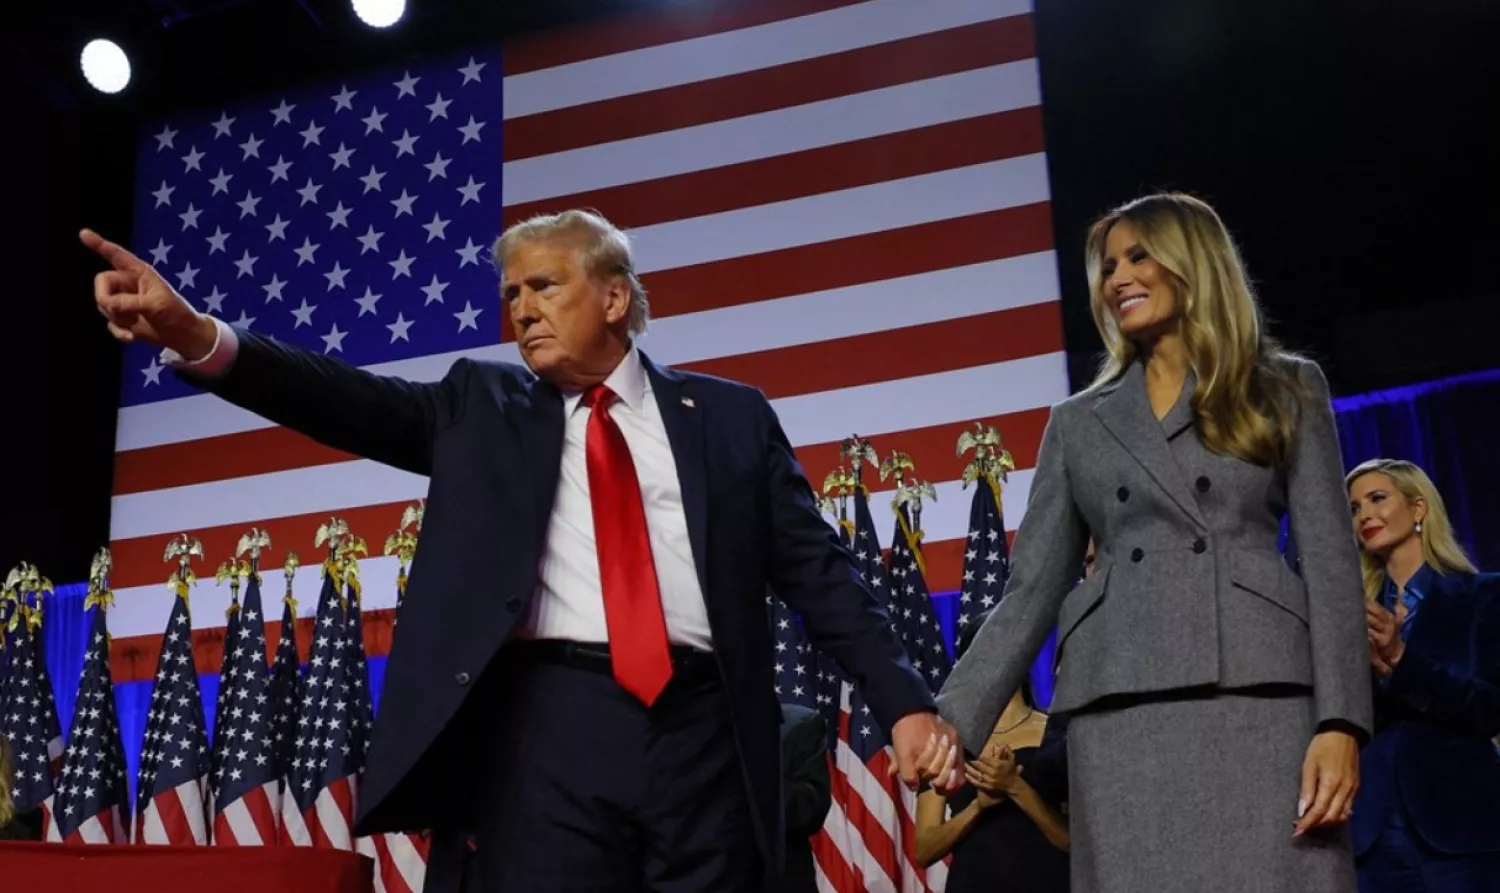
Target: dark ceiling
[{"x": 1351, "y": 146}]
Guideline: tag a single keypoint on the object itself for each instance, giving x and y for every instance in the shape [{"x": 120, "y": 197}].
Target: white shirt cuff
[{"x": 218, "y": 359}]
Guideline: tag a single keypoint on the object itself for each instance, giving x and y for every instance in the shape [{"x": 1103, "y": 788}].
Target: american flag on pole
[
  {"x": 247, "y": 788},
  {"x": 871, "y": 826},
  {"x": 987, "y": 552},
  {"x": 234, "y": 633},
  {"x": 286, "y": 682},
  {"x": 172, "y": 787},
  {"x": 93, "y": 801},
  {"x": 915, "y": 617},
  {"x": 796, "y": 175},
  {"x": 28, "y": 712},
  {"x": 318, "y": 803}
]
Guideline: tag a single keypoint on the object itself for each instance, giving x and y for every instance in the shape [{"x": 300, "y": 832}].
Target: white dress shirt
[{"x": 569, "y": 599}]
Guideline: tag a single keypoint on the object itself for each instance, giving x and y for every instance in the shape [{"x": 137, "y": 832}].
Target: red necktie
[{"x": 638, "y": 645}]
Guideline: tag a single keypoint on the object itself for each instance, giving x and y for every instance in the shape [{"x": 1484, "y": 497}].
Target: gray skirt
[{"x": 1194, "y": 794}]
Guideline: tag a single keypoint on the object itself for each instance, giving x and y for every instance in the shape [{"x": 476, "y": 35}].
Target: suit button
[
  {"x": 1203, "y": 484},
  {"x": 1123, "y": 493},
  {"x": 513, "y": 605},
  {"x": 461, "y": 678},
  {"x": 1199, "y": 546},
  {"x": 1137, "y": 554}
]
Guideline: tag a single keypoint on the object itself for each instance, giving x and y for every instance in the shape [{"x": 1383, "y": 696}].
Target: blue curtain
[
  {"x": 1451, "y": 428},
  {"x": 65, "y": 640}
]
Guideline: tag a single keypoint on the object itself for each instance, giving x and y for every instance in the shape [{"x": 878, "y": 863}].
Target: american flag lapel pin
[{"x": 688, "y": 402}]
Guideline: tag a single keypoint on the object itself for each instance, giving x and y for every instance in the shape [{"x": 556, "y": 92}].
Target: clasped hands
[
  {"x": 927, "y": 749},
  {"x": 1386, "y": 646},
  {"x": 995, "y": 775}
]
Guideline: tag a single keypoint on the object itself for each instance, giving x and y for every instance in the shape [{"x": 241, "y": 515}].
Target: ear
[
  {"x": 1419, "y": 509},
  {"x": 616, "y": 300}
]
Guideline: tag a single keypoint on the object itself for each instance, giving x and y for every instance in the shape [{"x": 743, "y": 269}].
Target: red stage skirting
[{"x": 151, "y": 869}]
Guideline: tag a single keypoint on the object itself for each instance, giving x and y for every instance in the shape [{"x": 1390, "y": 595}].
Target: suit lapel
[
  {"x": 1126, "y": 412},
  {"x": 540, "y": 427},
  {"x": 682, "y": 416}
]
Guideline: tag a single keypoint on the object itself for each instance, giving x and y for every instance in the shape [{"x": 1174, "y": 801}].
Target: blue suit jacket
[
  {"x": 1435, "y": 717},
  {"x": 490, "y": 437}
]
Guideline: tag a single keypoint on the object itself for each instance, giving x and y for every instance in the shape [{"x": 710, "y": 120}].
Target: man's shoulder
[
  {"x": 493, "y": 370},
  {"x": 714, "y": 384}
]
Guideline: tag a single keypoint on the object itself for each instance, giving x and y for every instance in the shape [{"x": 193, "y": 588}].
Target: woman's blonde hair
[
  {"x": 1440, "y": 547},
  {"x": 1247, "y": 393},
  {"x": 7, "y": 784}
]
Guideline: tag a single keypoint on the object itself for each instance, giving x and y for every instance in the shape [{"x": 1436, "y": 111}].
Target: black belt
[{"x": 688, "y": 664}]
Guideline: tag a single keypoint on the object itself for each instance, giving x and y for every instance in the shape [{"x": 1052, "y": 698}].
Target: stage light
[
  {"x": 379, "y": 13},
  {"x": 105, "y": 66}
]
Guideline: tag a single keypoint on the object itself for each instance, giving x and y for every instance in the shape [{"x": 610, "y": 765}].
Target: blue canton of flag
[
  {"x": 331, "y": 729},
  {"x": 29, "y": 720},
  {"x": 986, "y": 555},
  {"x": 361, "y": 709},
  {"x": 92, "y": 800},
  {"x": 232, "y": 641},
  {"x": 355, "y": 222},
  {"x": 795, "y": 662},
  {"x": 286, "y": 689},
  {"x": 865, "y": 736},
  {"x": 243, "y": 747},
  {"x": 171, "y": 785},
  {"x": 915, "y": 618}
]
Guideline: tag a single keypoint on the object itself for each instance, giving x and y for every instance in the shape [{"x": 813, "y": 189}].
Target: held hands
[
  {"x": 1386, "y": 646},
  {"x": 927, "y": 749},
  {"x": 1330, "y": 779},
  {"x": 995, "y": 775},
  {"x": 138, "y": 303}
]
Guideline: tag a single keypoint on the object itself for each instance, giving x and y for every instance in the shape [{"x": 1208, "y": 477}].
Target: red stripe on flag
[
  {"x": 923, "y": 350},
  {"x": 877, "y": 159},
  {"x": 839, "y": 263},
  {"x": 134, "y": 658},
  {"x": 933, "y": 449},
  {"x": 954, "y": 50},
  {"x": 622, "y": 34}
]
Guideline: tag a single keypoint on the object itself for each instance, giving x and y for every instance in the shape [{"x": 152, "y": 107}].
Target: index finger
[{"x": 118, "y": 256}]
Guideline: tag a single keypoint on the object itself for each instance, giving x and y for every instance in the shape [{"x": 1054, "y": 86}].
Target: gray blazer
[{"x": 1188, "y": 587}]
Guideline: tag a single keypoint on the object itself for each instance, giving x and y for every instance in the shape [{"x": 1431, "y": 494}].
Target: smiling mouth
[
  {"x": 1370, "y": 532},
  {"x": 1131, "y": 303}
]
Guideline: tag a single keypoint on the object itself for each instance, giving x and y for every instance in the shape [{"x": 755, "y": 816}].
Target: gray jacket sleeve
[
  {"x": 1319, "y": 507},
  {"x": 1048, "y": 557}
]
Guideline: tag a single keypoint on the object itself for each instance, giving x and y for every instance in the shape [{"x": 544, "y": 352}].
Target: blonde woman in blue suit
[{"x": 1216, "y": 700}]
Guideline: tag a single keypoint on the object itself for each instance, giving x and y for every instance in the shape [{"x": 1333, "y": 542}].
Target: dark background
[{"x": 1352, "y": 148}]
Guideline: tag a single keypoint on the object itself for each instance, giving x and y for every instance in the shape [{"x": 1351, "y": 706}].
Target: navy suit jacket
[
  {"x": 490, "y": 437},
  {"x": 1434, "y": 718}
]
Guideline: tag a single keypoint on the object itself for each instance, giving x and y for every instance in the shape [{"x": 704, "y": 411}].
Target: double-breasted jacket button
[
  {"x": 1200, "y": 545},
  {"x": 461, "y": 678},
  {"x": 1204, "y": 483},
  {"x": 513, "y": 605},
  {"x": 1123, "y": 493},
  {"x": 1137, "y": 554}
]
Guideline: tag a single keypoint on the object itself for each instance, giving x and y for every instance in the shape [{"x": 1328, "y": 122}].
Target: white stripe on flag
[
  {"x": 782, "y": 131},
  {"x": 742, "y": 50}
]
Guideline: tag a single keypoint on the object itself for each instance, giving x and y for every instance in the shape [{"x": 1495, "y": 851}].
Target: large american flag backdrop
[{"x": 843, "y": 203}]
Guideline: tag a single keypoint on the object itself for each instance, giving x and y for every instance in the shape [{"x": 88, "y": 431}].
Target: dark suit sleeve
[
  {"x": 817, "y": 577},
  {"x": 1319, "y": 509},
  {"x": 808, "y": 792},
  {"x": 386, "y": 419},
  {"x": 1469, "y": 703}
]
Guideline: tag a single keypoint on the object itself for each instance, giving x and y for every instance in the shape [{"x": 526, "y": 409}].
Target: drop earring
[{"x": 1419, "y": 527}]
